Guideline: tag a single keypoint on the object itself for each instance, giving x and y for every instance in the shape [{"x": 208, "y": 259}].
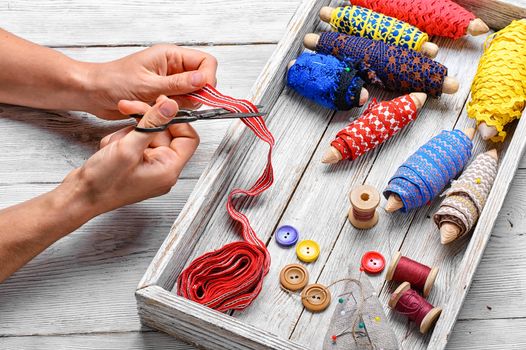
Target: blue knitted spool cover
[
  {"x": 425, "y": 174},
  {"x": 326, "y": 80},
  {"x": 391, "y": 67}
]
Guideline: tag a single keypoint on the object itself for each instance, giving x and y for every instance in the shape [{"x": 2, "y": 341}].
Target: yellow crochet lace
[
  {"x": 498, "y": 92},
  {"x": 360, "y": 21}
]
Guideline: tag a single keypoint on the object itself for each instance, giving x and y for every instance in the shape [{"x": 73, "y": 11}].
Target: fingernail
[
  {"x": 168, "y": 108},
  {"x": 197, "y": 79}
]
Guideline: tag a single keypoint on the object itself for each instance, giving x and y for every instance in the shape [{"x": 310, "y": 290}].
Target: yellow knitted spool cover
[
  {"x": 498, "y": 92},
  {"x": 360, "y": 21}
]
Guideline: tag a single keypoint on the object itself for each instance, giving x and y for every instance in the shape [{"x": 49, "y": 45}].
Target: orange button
[
  {"x": 294, "y": 277},
  {"x": 307, "y": 250},
  {"x": 316, "y": 297},
  {"x": 373, "y": 262}
]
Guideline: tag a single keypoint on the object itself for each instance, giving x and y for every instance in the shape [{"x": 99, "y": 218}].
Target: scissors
[{"x": 188, "y": 116}]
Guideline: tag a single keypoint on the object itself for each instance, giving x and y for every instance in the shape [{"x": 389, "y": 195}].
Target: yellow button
[{"x": 307, "y": 251}]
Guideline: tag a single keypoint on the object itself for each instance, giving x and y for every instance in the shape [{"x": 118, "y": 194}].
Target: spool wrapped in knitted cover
[
  {"x": 467, "y": 196},
  {"x": 498, "y": 92},
  {"x": 360, "y": 21},
  {"x": 435, "y": 17},
  {"x": 389, "y": 66},
  {"x": 379, "y": 122},
  {"x": 427, "y": 172},
  {"x": 325, "y": 79}
]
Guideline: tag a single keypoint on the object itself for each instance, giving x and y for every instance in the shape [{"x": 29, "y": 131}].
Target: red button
[{"x": 373, "y": 262}]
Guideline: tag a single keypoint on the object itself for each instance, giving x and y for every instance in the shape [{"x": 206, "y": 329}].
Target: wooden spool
[
  {"x": 364, "y": 201},
  {"x": 430, "y": 281},
  {"x": 333, "y": 156},
  {"x": 449, "y": 232},
  {"x": 429, "y": 321},
  {"x": 394, "y": 202},
  {"x": 449, "y": 86},
  {"x": 428, "y": 48},
  {"x": 477, "y": 27},
  {"x": 486, "y": 131}
]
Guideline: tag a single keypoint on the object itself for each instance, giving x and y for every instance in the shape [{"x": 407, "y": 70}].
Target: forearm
[
  {"x": 28, "y": 228},
  {"x": 40, "y": 77}
]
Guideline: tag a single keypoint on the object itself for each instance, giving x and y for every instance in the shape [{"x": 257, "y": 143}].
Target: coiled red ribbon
[{"x": 231, "y": 277}]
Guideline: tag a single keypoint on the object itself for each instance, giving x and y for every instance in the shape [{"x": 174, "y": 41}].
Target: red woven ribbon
[
  {"x": 377, "y": 123},
  {"x": 231, "y": 277},
  {"x": 435, "y": 17}
]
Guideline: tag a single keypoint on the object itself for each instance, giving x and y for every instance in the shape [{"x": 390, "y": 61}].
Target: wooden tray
[{"x": 314, "y": 198}]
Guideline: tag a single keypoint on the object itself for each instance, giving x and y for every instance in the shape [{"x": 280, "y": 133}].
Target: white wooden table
[{"x": 79, "y": 292}]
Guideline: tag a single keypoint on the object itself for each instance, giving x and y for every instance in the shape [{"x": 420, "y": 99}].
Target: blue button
[{"x": 287, "y": 236}]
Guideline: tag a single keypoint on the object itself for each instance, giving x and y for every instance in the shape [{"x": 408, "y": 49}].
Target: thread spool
[
  {"x": 353, "y": 48},
  {"x": 420, "y": 276},
  {"x": 379, "y": 122},
  {"x": 327, "y": 80},
  {"x": 466, "y": 197},
  {"x": 407, "y": 301},
  {"x": 496, "y": 94},
  {"x": 439, "y": 17},
  {"x": 364, "y": 201},
  {"x": 394, "y": 202},
  {"x": 360, "y": 21}
]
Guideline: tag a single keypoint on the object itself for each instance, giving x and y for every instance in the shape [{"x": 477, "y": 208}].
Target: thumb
[
  {"x": 161, "y": 113},
  {"x": 182, "y": 83}
]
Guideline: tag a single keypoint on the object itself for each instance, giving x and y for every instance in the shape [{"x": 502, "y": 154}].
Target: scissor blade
[{"x": 236, "y": 116}]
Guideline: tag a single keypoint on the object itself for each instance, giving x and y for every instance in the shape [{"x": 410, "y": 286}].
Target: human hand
[
  {"x": 143, "y": 76},
  {"x": 132, "y": 166}
]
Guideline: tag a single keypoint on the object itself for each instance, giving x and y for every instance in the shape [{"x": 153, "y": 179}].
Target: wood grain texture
[
  {"x": 204, "y": 327},
  {"x": 63, "y": 23},
  {"x": 86, "y": 281},
  {"x": 496, "y": 13},
  {"x": 467, "y": 335}
]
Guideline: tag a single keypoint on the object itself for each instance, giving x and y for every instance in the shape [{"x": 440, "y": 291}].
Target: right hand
[{"x": 132, "y": 166}]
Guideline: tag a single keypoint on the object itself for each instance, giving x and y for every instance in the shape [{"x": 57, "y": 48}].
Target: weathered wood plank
[
  {"x": 489, "y": 334},
  {"x": 109, "y": 341},
  {"x": 496, "y": 13},
  {"x": 60, "y": 142},
  {"x": 472, "y": 334},
  {"x": 135, "y": 22},
  {"x": 86, "y": 281},
  {"x": 204, "y": 327},
  {"x": 498, "y": 286}
]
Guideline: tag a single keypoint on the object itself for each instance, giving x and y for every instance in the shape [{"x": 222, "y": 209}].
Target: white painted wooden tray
[{"x": 313, "y": 197}]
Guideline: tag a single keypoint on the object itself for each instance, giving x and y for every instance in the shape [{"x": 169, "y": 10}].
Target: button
[
  {"x": 316, "y": 297},
  {"x": 294, "y": 277},
  {"x": 287, "y": 236},
  {"x": 307, "y": 251},
  {"x": 373, "y": 262}
]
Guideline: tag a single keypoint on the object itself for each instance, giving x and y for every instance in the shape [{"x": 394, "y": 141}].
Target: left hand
[{"x": 143, "y": 76}]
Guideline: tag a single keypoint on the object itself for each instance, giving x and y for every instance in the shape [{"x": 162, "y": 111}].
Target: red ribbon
[{"x": 231, "y": 277}]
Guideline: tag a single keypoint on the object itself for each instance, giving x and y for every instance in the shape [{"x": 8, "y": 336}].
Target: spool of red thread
[
  {"x": 407, "y": 301},
  {"x": 420, "y": 276}
]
